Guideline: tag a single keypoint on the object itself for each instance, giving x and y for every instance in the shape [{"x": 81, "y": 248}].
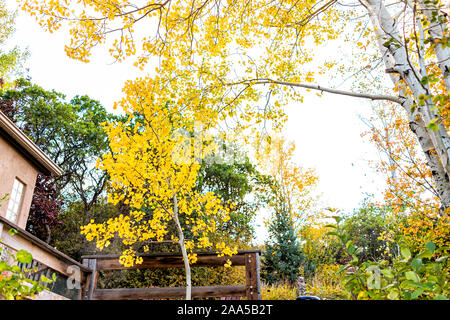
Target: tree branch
[{"x": 329, "y": 90}]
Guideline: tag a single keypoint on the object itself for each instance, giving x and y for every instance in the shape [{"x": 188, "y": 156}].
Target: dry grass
[{"x": 278, "y": 292}]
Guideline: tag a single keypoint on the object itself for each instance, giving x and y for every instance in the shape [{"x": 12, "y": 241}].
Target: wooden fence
[
  {"x": 248, "y": 258},
  {"x": 83, "y": 277}
]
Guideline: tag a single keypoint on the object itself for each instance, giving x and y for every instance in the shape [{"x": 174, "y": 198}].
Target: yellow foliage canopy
[
  {"x": 210, "y": 54},
  {"x": 154, "y": 175},
  {"x": 294, "y": 184}
]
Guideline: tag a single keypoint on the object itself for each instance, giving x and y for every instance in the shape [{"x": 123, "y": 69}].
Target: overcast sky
[{"x": 337, "y": 151}]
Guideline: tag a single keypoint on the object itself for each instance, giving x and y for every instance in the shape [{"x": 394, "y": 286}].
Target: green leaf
[
  {"x": 13, "y": 231},
  {"x": 430, "y": 246},
  {"x": 45, "y": 279},
  {"x": 405, "y": 252},
  {"x": 445, "y": 248},
  {"x": 15, "y": 269},
  {"x": 387, "y": 273},
  {"x": 24, "y": 256},
  {"x": 424, "y": 80},
  {"x": 407, "y": 295},
  {"x": 337, "y": 218},
  {"x": 416, "y": 293},
  {"x": 411, "y": 275},
  {"x": 342, "y": 268},
  {"x": 3, "y": 266},
  {"x": 425, "y": 254},
  {"x": 416, "y": 263},
  {"x": 388, "y": 42},
  {"x": 344, "y": 238},
  {"x": 440, "y": 297},
  {"x": 348, "y": 243},
  {"x": 351, "y": 249},
  {"x": 421, "y": 285},
  {"x": 14, "y": 283},
  {"x": 393, "y": 295},
  {"x": 433, "y": 126}
]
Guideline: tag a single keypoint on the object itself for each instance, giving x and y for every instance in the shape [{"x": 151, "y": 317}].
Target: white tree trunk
[
  {"x": 437, "y": 170},
  {"x": 187, "y": 267},
  {"x": 396, "y": 60}
]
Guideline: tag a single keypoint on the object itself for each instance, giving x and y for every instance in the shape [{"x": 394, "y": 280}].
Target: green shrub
[
  {"x": 326, "y": 283},
  {"x": 405, "y": 277}
]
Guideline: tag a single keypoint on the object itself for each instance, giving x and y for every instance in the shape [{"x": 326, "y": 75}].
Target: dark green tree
[
  {"x": 366, "y": 225},
  {"x": 282, "y": 256},
  {"x": 234, "y": 181},
  {"x": 66, "y": 234},
  {"x": 71, "y": 134}
]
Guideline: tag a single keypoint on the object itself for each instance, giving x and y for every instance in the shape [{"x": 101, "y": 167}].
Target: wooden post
[
  {"x": 89, "y": 286},
  {"x": 253, "y": 286},
  {"x": 87, "y": 279}
]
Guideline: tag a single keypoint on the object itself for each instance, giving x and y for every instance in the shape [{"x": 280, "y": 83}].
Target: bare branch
[{"x": 325, "y": 89}]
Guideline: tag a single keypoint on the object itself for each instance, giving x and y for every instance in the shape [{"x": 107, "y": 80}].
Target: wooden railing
[
  {"x": 248, "y": 258},
  {"x": 82, "y": 278},
  {"x": 71, "y": 274}
]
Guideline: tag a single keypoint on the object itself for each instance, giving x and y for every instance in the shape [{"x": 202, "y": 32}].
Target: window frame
[{"x": 15, "y": 200}]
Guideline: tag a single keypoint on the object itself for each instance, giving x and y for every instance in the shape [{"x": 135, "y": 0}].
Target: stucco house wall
[
  {"x": 20, "y": 159},
  {"x": 14, "y": 165}
]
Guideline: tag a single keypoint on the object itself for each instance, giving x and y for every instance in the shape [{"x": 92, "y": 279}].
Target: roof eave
[{"x": 29, "y": 146}]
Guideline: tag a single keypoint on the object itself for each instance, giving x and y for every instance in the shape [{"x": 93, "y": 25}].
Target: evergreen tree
[{"x": 282, "y": 256}]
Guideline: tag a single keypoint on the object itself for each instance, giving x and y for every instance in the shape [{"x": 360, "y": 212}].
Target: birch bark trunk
[
  {"x": 438, "y": 173},
  {"x": 183, "y": 249},
  {"x": 435, "y": 144}
]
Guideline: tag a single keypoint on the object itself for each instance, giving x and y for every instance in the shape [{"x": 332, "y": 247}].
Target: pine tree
[{"x": 282, "y": 256}]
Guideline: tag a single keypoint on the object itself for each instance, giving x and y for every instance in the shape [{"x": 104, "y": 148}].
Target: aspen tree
[{"x": 226, "y": 57}]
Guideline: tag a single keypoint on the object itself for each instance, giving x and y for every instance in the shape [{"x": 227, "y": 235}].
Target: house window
[{"x": 15, "y": 199}]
